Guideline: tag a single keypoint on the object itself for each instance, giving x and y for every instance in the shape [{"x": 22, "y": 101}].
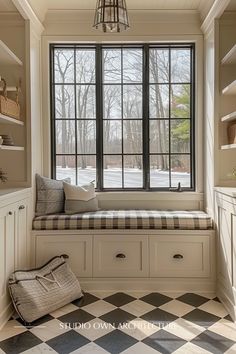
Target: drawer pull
[
  {"x": 121, "y": 255},
  {"x": 21, "y": 207},
  {"x": 10, "y": 213},
  {"x": 178, "y": 256}
]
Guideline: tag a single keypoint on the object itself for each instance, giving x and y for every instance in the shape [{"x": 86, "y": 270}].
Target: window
[{"x": 123, "y": 115}]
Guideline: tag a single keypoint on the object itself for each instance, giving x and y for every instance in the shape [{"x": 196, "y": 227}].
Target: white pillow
[{"x": 80, "y": 199}]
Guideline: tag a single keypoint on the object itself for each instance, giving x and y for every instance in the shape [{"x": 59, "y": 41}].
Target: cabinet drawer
[
  {"x": 120, "y": 256},
  {"x": 179, "y": 256},
  {"x": 77, "y": 247}
]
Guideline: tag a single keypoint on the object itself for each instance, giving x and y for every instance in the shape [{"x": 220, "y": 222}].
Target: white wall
[
  {"x": 35, "y": 103},
  {"x": 155, "y": 26},
  {"x": 209, "y": 115}
]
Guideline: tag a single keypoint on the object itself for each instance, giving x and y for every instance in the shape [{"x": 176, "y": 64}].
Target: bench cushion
[{"x": 125, "y": 219}]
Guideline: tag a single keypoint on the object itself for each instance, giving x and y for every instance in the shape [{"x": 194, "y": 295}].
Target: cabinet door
[
  {"x": 179, "y": 256},
  {"x": 234, "y": 250},
  {"x": 77, "y": 247},
  {"x": 224, "y": 246},
  {"x": 22, "y": 232},
  {"x": 7, "y": 255},
  {"x": 120, "y": 256}
]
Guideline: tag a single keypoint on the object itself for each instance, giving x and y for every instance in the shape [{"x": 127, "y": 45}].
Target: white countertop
[
  {"x": 10, "y": 190},
  {"x": 230, "y": 191}
]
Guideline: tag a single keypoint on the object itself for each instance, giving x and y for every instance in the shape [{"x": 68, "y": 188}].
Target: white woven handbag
[{"x": 37, "y": 292}]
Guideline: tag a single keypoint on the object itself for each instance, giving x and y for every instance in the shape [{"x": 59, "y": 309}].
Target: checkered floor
[{"x": 127, "y": 323}]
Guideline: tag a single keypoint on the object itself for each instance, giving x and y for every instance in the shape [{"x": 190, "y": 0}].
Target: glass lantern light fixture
[{"x": 111, "y": 16}]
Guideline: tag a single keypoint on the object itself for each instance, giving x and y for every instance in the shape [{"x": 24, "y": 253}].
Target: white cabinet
[
  {"x": 78, "y": 247},
  {"x": 133, "y": 259},
  {"x": 120, "y": 256},
  {"x": 180, "y": 256},
  {"x": 7, "y": 257},
  {"x": 226, "y": 247},
  {"x": 23, "y": 226},
  {"x": 14, "y": 242}
]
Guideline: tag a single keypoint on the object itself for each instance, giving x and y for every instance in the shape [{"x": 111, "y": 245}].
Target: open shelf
[
  {"x": 11, "y": 147},
  {"x": 230, "y": 89},
  {"x": 9, "y": 120},
  {"x": 229, "y": 117},
  {"x": 227, "y": 147},
  {"x": 7, "y": 57},
  {"x": 9, "y": 89},
  {"x": 230, "y": 57}
]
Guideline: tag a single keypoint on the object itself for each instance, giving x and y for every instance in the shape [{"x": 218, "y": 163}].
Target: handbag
[
  {"x": 9, "y": 107},
  {"x": 37, "y": 292}
]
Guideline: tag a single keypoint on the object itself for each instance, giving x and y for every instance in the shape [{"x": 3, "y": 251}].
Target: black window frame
[{"x": 99, "y": 113}]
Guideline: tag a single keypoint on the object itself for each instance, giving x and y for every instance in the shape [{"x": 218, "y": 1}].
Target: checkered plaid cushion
[{"x": 125, "y": 219}]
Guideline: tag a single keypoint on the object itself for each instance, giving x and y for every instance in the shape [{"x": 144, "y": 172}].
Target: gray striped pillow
[{"x": 50, "y": 197}]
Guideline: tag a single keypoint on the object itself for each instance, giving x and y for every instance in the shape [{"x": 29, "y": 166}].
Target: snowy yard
[{"x": 132, "y": 177}]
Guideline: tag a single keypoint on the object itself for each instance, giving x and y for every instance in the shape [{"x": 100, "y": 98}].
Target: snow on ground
[{"x": 133, "y": 177}]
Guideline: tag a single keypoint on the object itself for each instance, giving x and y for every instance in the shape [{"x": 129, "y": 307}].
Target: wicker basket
[
  {"x": 9, "y": 107},
  {"x": 232, "y": 133}
]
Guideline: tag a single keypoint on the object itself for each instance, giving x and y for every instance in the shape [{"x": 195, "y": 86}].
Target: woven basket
[
  {"x": 9, "y": 107},
  {"x": 232, "y": 134}
]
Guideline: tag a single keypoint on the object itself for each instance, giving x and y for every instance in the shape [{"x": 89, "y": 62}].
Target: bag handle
[
  {"x": 4, "y": 87},
  {"x": 38, "y": 277}
]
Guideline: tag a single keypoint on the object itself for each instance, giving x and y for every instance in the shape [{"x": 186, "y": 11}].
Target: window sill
[{"x": 155, "y": 196}]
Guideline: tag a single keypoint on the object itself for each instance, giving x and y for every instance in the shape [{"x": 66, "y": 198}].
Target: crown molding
[
  {"x": 136, "y": 16},
  {"x": 27, "y": 13},
  {"x": 215, "y": 12}
]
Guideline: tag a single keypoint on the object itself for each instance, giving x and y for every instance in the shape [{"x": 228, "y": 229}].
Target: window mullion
[
  {"x": 76, "y": 121},
  {"x": 146, "y": 158},
  {"x": 192, "y": 120},
  {"x": 122, "y": 122},
  {"x": 170, "y": 110},
  {"x": 53, "y": 115},
  {"x": 99, "y": 119}
]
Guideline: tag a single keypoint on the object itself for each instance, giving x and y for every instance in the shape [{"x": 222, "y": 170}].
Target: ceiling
[{"x": 40, "y": 7}]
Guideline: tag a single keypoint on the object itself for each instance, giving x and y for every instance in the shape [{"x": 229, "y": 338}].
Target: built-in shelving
[
  {"x": 9, "y": 120},
  {"x": 229, "y": 146},
  {"x": 7, "y": 57},
  {"x": 230, "y": 89},
  {"x": 229, "y": 117},
  {"x": 11, "y": 147},
  {"x": 230, "y": 57}
]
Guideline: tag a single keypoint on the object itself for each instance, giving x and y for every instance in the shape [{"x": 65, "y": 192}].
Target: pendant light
[{"x": 111, "y": 16}]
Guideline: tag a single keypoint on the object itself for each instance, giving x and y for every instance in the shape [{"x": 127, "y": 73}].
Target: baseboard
[
  {"x": 162, "y": 285},
  {"x": 226, "y": 300},
  {"x": 5, "y": 315}
]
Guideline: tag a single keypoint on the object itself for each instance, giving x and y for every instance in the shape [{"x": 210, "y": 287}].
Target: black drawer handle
[
  {"x": 178, "y": 256},
  {"x": 10, "y": 213},
  {"x": 21, "y": 207},
  {"x": 121, "y": 255}
]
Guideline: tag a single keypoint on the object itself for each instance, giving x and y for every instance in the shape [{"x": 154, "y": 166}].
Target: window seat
[{"x": 126, "y": 219}]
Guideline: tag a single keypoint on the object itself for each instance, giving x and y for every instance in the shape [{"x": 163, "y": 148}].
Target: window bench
[
  {"x": 126, "y": 219},
  {"x": 131, "y": 249}
]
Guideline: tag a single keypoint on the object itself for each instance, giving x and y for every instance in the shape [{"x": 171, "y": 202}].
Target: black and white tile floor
[{"x": 127, "y": 323}]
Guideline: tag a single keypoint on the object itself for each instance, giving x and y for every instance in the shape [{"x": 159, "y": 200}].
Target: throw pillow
[
  {"x": 80, "y": 199},
  {"x": 50, "y": 197}
]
